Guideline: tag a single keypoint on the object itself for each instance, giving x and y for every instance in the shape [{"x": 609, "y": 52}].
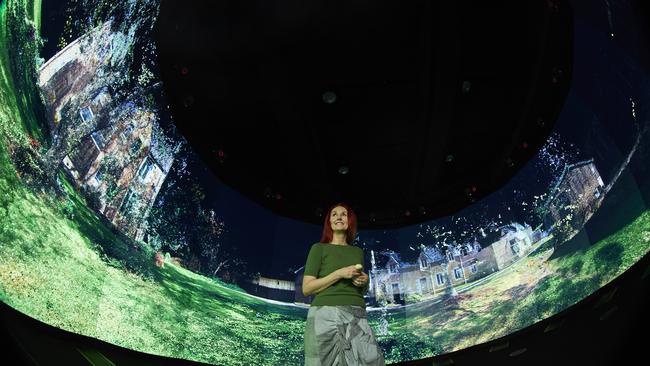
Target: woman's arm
[{"x": 313, "y": 285}]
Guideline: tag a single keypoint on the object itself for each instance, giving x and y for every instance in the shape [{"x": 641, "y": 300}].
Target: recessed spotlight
[
  {"x": 329, "y": 97},
  {"x": 268, "y": 192},
  {"x": 467, "y": 85},
  {"x": 188, "y": 101},
  {"x": 556, "y": 75}
]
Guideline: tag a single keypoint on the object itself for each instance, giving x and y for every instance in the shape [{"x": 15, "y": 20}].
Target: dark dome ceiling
[{"x": 407, "y": 110}]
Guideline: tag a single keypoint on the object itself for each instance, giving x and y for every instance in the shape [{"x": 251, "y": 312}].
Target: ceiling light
[
  {"x": 329, "y": 97},
  {"x": 466, "y": 87}
]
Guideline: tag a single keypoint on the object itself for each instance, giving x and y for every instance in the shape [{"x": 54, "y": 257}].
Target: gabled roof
[
  {"x": 432, "y": 253},
  {"x": 395, "y": 257},
  {"x": 512, "y": 227},
  {"x": 561, "y": 178}
]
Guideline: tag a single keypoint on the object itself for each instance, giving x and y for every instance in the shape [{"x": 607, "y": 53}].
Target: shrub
[
  {"x": 412, "y": 298},
  {"x": 29, "y": 165}
]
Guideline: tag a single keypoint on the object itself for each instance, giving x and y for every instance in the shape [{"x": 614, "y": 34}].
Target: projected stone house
[
  {"x": 577, "y": 192},
  {"x": 66, "y": 77},
  {"x": 279, "y": 289},
  {"x": 272, "y": 288},
  {"x": 516, "y": 241},
  {"x": 434, "y": 273},
  {"x": 120, "y": 160},
  {"x": 122, "y": 164}
]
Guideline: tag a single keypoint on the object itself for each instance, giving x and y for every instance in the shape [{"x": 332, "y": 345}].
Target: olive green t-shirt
[{"x": 323, "y": 259}]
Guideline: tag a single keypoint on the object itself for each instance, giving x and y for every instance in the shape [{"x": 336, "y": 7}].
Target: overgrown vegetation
[{"x": 23, "y": 37}]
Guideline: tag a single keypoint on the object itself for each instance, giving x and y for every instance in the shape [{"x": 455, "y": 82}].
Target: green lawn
[
  {"x": 8, "y": 105},
  {"x": 22, "y": 101}
]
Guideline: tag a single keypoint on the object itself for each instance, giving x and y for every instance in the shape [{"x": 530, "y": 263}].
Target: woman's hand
[
  {"x": 361, "y": 280},
  {"x": 348, "y": 272}
]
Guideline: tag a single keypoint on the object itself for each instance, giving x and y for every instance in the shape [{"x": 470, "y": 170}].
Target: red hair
[{"x": 350, "y": 234}]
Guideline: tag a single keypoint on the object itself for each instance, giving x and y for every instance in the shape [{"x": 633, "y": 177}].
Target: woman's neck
[{"x": 338, "y": 239}]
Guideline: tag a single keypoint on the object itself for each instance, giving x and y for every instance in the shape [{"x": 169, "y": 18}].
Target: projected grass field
[{"x": 62, "y": 262}]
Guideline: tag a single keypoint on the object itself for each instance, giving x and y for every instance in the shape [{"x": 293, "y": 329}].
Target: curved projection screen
[{"x": 112, "y": 228}]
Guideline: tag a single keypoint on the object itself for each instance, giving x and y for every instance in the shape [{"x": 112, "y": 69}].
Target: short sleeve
[{"x": 312, "y": 267}]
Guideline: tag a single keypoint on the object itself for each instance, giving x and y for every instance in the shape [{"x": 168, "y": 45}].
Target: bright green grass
[
  {"x": 528, "y": 291},
  {"x": 51, "y": 272},
  {"x": 8, "y": 106},
  {"x": 36, "y": 15},
  {"x": 22, "y": 104}
]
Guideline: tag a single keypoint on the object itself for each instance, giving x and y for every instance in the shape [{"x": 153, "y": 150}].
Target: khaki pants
[{"x": 340, "y": 335}]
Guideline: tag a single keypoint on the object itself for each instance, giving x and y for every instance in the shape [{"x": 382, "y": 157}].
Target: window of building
[
  {"x": 392, "y": 267},
  {"x": 86, "y": 114},
  {"x": 440, "y": 279},
  {"x": 458, "y": 273},
  {"x": 395, "y": 287},
  {"x": 514, "y": 246},
  {"x": 99, "y": 175},
  {"x": 146, "y": 167},
  {"x": 473, "y": 268},
  {"x": 128, "y": 202},
  {"x": 423, "y": 263},
  {"x": 128, "y": 130},
  {"x": 135, "y": 146}
]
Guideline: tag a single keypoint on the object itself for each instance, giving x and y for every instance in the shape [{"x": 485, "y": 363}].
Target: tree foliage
[{"x": 181, "y": 222}]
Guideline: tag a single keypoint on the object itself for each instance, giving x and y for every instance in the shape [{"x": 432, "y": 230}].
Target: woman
[{"x": 337, "y": 331}]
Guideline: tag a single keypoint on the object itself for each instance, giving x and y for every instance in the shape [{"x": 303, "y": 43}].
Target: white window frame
[
  {"x": 423, "y": 263},
  {"x": 92, "y": 115},
  {"x": 392, "y": 268},
  {"x": 514, "y": 243}
]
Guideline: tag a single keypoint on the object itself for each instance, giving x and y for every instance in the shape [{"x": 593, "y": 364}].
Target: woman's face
[{"x": 339, "y": 218}]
